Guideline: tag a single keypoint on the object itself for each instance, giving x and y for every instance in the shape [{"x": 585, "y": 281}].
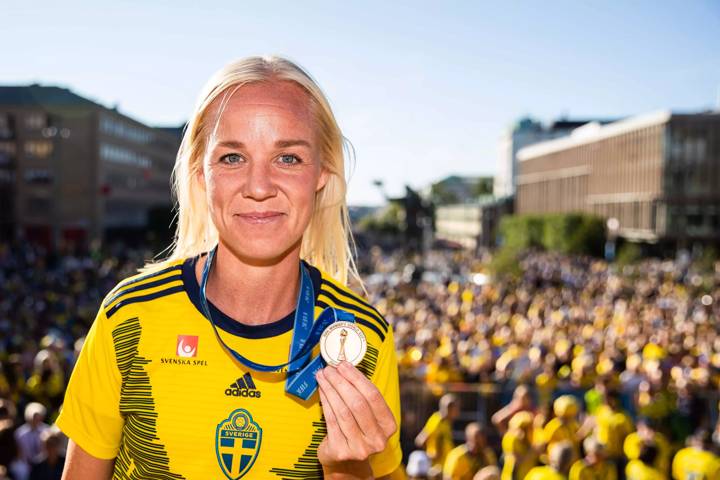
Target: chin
[{"x": 262, "y": 251}]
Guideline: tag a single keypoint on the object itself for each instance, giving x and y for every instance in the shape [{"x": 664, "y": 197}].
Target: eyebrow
[{"x": 278, "y": 144}]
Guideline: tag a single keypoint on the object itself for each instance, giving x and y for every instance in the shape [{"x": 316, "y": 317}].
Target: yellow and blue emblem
[{"x": 237, "y": 443}]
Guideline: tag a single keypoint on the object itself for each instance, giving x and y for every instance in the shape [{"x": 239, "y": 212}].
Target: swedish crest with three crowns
[{"x": 237, "y": 443}]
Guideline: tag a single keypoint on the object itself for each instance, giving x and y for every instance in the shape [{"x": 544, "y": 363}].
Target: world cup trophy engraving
[{"x": 343, "y": 337}]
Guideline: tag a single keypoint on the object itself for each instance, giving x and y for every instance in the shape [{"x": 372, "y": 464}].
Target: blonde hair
[{"x": 327, "y": 242}]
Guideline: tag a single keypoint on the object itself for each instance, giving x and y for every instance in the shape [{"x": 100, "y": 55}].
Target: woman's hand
[{"x": 359, "y": 422}]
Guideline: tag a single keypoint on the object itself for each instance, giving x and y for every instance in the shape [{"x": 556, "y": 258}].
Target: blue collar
[{"x": 232, "y": 326}]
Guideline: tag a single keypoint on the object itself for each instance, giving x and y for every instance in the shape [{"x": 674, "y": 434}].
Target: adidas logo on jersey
[{"x": 243, "y": 387}]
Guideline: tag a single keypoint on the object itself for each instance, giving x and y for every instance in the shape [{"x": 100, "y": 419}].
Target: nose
[{"x": 259, "y": 183}]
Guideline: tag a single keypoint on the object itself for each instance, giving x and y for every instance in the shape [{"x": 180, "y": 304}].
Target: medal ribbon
[{"x": 301, "y": 372}]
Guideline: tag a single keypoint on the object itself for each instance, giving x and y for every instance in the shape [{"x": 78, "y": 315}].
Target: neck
[{"x": 252, "y": 293}]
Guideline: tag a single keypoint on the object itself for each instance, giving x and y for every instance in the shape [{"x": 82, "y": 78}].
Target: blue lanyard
[{"x": 301, "y": 372}]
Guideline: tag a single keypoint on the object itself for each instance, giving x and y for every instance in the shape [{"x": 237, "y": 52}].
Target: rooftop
[
  {"x": 43, "y": 96},
  {"x": 592, "y": 132}
]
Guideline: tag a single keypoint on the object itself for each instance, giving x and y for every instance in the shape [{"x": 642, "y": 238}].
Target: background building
[
  {"x": 72, "y": 169},
  {"x": 523, "y": 133},
  {"x": 466, "y": 211},
  {"x": 657, "y": 174},
  {"x": 472, "y": 225}
]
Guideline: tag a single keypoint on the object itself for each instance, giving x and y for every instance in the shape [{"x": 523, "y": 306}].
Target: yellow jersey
[
  {"x": 439, "y": 439},
  {"x": 694, "y": 464},
  {"x": 581, "y": 470},
  {"x": 632, "y": 445},
  {"x": 558, "y": 431},
  {"x": 519, "y": 457},
  {"x": 543, "y": 473},
  {"x": 461, "y": 464},
  {"x": 612, "y": 428},
  {"x": 154, "y": 389},
  {"x": 637, "y": 470}
]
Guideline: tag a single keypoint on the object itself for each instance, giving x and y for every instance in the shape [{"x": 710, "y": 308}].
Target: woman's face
[{"x": 262, "y": 170}]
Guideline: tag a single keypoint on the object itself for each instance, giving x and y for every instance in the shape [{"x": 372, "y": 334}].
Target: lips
[{"x": 260, "y": 217}]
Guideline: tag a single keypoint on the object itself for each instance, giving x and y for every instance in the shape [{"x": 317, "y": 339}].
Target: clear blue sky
[{"x": 422, "y": 89}]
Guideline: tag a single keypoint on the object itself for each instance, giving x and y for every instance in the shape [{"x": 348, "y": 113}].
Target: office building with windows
[
  {"x": 74, "y": 170},
  {"x": 658, "y": 174},
  {"x": 523, "y": 133}
]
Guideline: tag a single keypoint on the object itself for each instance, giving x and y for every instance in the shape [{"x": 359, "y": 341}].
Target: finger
[
  {"x": 357, "y": 404},
  {"x": 377, "y": 403},
  {"x": 334, "y": 434},
  {"x": 345, "y": 417}
]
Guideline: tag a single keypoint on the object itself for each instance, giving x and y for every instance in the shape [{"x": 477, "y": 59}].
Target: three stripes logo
[{"x": 243, "y": 387}]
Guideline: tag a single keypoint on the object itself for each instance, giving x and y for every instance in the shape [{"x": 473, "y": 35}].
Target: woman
[{"x": 190, "y": 368}]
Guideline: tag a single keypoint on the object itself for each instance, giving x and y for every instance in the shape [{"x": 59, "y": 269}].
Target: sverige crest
[{"x": 237, "y": 443}]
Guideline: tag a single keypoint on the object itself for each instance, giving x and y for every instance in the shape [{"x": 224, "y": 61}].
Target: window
[
  {"x": 8, "y": 147},
  {"x": 35, "y": 121},
  {"x": 125, "y": 131},
  {"x": 6, "y": 127},
  {"x": 38, "y": 176},
  {"x": 38, "y": 148},
  {"x": 123, "y": 156},
  {"x": 122, "y": 181}
]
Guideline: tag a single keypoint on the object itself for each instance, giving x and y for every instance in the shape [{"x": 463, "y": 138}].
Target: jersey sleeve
[
  {"x": 90, "y": 415},
  {"x": 451, "y": 465},
  {"x": 385, "y": 379}
]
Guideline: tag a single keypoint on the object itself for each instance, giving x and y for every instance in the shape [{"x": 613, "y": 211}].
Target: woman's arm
[{"x": 80, "y": 465}]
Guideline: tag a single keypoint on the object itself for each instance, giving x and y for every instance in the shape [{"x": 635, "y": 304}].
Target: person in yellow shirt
[
  {"x": 467, "y": 459},
  {"x": 595, "y": 465},
  {"x": 645, "y": 433},
  {"x": 436, "y": 436},
  {"x": 521, "y": 401},
  {"x": 642, "y": 467},
  {"x": 564, "y": 427},
  {"x": 612, "y": 425},
  {"x": 560, "y": 458},
  {"x": 545, "y": 384},
  {"x": 696, "y": 461},
  {"x": 517, "y": 446}
]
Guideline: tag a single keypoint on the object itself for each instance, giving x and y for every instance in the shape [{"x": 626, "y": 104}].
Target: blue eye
[
  {"x": 231, "y": 158},
  {"x": 288, "y": 159}
]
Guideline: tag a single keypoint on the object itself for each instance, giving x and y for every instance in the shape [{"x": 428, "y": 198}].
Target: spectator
[
  {"x": 521, "y": 401},
  {"x": 560, "y": 458},
  {"x": 50, "y": 465},
  {"x": 594, "y": 466},
  {"x": 564, "y": 427},
  {"x": 418, "y": 465},
  {"x": 8, "y": 447},
  {"x": 28, "y": 436},
  {"x": 647, "y": 433},
  {"x": 436, "y": 435},
  {"x": 696, "y": 461},
  {"x": 517, "y": 446},
  {"x": 612, "y": 426},
  {"x": 464, "y": 461},
  {"x": 642, "y": 468}
]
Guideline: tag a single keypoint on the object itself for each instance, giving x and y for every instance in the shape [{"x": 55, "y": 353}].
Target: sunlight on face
[{"x": 262, "y": 170}]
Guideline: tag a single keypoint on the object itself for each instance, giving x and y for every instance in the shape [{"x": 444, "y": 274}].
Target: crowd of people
[
  {"x": 48, "y": 301},
  {"x": 599, "y": 368},
  {"x": 598, "y": 354}
]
